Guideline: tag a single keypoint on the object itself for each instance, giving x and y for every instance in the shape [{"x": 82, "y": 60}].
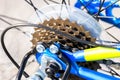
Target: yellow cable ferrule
[{"x": 100, "y": 53}]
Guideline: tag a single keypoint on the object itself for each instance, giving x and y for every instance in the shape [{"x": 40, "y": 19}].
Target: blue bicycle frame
[
  {"x": 83, "y": 56},
  {"x": 93, "y": 8}
]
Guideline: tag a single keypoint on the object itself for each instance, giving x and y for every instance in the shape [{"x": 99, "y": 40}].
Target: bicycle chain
[
  {"x": 70, "y": 28},
  {"x": 65, "y": 26}
]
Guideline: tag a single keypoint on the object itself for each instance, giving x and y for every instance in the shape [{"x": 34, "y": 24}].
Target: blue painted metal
[
  {"x": 79, "y": 56},
  {"x": 75, "y": 69},
  {"x": 93, "y": 75}
]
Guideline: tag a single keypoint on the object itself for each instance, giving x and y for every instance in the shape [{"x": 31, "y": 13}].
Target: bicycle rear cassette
[
  {"x": 75, "y": 23},
  {"x": 66, "y": 26}
]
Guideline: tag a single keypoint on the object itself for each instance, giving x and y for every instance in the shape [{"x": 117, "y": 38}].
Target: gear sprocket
[{"x": 66, "y": 26}]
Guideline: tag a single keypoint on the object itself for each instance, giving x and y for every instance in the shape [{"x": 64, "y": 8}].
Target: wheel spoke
[
  {"x": 100, "y": 7},
  {"x": 85, "y": 6},
  {"x": 36, "y": 10},
  {"x": 107, "y": 7},
  {"x": 62, "y": 5}
]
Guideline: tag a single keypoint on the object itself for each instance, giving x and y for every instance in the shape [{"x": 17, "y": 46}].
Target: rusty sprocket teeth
[{"x": 66, "y": 26}]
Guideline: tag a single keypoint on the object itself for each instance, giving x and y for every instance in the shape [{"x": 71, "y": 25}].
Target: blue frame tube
[
  {"x": 93, "y": 75},
  {"x": 84, "y": 72},
  {"x": 75, "y": 69}
]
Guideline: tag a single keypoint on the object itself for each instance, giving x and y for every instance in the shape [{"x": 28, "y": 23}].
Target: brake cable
[{"x": 23, "y": 63}]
